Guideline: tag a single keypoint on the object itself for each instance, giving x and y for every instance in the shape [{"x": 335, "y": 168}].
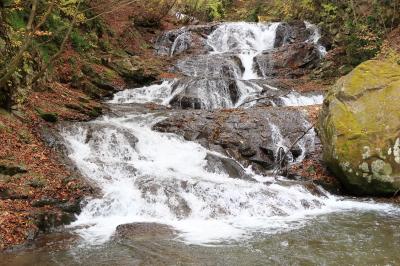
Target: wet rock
[
  {"x": 94, "y": 136},
  {"x": 290, "y": 61},
  {"x": 187, "y": 102},
  {"x": 251, "y": 136},
  {"x": 170, "y": 191},
  {"x": 205, "y": 93},
  {"x": 105, "y": 85},
  {"x": 144, "y": 231},
  {"x": 247, "y": 150},
  {"x": 45, "y": 202},
  {"x": 359, "y": 129},
  {"x": 46, "y": 220},
  {"x": 212, "y": 66},
  {"x": 131, "y": 70},
  {"x": 226, "y": 165},
  {"x": 291, "y": 32},
  {"x": 72, "y": 206},
  {"x": 184, "y": 40},
  {"x": 263, "y": 161}
]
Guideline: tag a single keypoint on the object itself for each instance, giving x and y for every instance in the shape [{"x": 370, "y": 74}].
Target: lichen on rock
[{"x": 360, "y": 129}]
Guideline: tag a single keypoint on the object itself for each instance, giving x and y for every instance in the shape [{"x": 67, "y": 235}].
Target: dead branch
[{"x": 278, "y": 166}]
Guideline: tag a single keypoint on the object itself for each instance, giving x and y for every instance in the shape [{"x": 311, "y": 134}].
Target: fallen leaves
[{"x": 20, "y": 144}]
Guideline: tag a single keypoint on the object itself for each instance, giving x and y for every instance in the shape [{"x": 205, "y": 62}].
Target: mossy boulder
[
  {"x": 46, "y": 116},
  {"x": 360, "y": 129}
]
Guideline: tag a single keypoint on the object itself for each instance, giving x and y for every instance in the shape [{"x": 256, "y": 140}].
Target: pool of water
[{"x": 366, "y": 238}]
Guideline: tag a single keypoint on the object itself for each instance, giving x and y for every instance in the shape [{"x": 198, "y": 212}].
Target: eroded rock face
[
  {"x": 257, "y": 136},
  {"x": 186, "y": 39},
  {"x": 292, "y": 32},
  {"x": 360, "y": 129},
  {"x": 291, "y": 61}
]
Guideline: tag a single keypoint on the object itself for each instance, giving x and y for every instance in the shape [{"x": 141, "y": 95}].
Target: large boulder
[{"x": 360, "y": 129}]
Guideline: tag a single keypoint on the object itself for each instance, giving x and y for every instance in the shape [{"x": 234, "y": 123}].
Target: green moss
[
  {"x": 47, "y": 50},
  {"x": 105, "y": 45},
  {"x": 369, "y": 75},
  {"x": 359, "y": 123},
  {"x": 83, "y": 100},
  {"x": 95, "y": 112},
  {"x": 48, "y": 117},
  {"x": 38, "y": 181}
]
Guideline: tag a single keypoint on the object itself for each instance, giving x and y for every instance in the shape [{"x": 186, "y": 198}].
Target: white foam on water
[
  {"x": 247, "y": 92},
  {"x": 247, "y": 40},
  {"x": 181, "y": 42},
  {"x": 163, "y": 178},
  {"x": 296, "y": 99},
  {"x": 241, "y": 36},
  {"x": 316, "y": 37},
  {"x": 159, "y": 93},
  {"x": 248, "y": 62},
  {"x": 148, "y": 176}
]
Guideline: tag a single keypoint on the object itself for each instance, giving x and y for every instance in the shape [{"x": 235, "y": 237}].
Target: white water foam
[
  {"x": 147, "y": 176},
  {"x": 296, "y": 99},
  {"x": 164, "y": 179},
  {"x": 316, "y": 37},
  {"x": 245, "y": 39},
  {"x": 159, "y": 93}
]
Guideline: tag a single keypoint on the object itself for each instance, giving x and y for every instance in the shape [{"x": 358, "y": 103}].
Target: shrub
[{"x": 79, "y": 43}]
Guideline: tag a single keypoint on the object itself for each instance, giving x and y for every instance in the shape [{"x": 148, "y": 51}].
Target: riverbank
[{"x": 39, "y": 187}]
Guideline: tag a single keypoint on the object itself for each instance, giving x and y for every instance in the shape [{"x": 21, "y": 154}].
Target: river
[{"x": 185, "y": 207}]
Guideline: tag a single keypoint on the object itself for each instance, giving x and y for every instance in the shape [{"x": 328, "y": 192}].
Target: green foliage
[
  {"x": 16, "y": 20},
  {"x": 329, "y": 12},
  {"x": 25, "y": 136},
  {"x": 215, "y": 10},
  {"x": 79, "y": 42},
  {"x": 210, "y": 10},
  {"x": 359, "y": 26}
]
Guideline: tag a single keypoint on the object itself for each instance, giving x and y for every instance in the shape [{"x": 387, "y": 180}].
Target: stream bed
[{"x": 167, "y": 200}]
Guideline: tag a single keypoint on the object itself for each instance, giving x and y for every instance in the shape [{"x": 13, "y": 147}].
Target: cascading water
[
  {"x": 147, "y": 176},
  {"x": 226, "y": 75},
  {"x": 246, "y": 40},
  {"x": 316, "y": 37},
  {"x": 192, "y": 206}
]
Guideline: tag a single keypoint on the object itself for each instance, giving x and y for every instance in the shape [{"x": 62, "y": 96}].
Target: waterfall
[
  {"x": 316, "y": 37},
  {"x": 245, "y": 39},
  {"x": 148, "y": 176}
]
